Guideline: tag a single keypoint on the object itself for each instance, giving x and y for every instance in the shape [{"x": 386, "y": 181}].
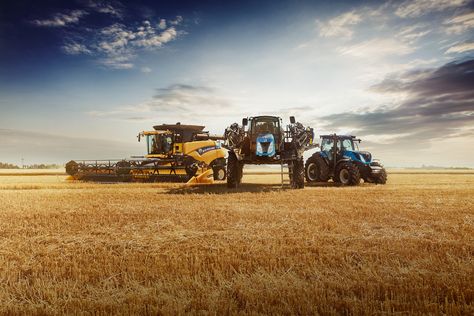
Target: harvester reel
[
  {"x": 72, "y": 168},
  {"x": 122, "y": 167}
]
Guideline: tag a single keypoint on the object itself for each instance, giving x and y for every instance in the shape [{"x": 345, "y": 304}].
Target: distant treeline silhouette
[{"x": 4, "y": 165}]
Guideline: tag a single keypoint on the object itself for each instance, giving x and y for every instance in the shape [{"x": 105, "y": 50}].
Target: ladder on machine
[{"x": 282, "y": 173}]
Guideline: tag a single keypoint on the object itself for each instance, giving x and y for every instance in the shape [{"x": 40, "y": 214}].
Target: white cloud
[
  {"x": 179, "y": 19},
  {"x": 460, "y": 48},
  {"x": 162, "y": 24},
  {"x": 459, "y": 24},
  {"x": 377, "y": 48},
  {"x": 61, "y": 19},
  {"x": 417, "y": 8},
  {"x": 145, "y": 70},
  {"x": 75, "y": 49},
  {"x": 341, "y": 25},
  {"x": 117, "y": 45},
  {"x": 412, "y": 33},
  {"x": 106, "y": 8}
]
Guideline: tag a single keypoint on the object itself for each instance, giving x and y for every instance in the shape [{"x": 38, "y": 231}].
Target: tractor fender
[
  {"x": 341, "y": 161},
  {"x": 323, "y": 156}
]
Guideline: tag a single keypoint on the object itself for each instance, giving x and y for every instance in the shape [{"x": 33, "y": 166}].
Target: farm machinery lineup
[
  {"x": 187, "y": 153},
  {"x": 182, "y": 153}
]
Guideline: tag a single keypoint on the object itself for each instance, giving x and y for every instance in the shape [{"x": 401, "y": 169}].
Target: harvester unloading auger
[{"x": 177, "y": 152}]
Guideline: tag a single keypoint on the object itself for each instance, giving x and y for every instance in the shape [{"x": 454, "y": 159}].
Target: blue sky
[{"x": 80, "y": 79}]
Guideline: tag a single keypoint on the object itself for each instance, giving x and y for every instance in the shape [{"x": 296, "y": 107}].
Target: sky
[{"x": 79, "y": 79}]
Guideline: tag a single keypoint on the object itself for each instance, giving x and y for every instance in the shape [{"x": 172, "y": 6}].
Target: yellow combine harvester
[{"x": 182, "y": 153}]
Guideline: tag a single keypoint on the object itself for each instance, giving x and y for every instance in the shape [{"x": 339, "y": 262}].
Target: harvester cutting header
[{"x": 175, "y": 152}]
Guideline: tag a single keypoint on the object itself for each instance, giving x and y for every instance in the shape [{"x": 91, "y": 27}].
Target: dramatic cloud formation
[
  {"x": 118, "y": 44},
  {"x": 115, "y": 46},
  {"x": 62, "y": 19},
  {"x": 417, "y": 8},
  {"x": 460, "y": 23},
  {"x": 177, "y": 101},
  {"x": 377, "y": 48},
  {"x": 437, "y": 103},
  {"x": 114, "y": 9},
  {"x": 461, "y": 48},
  {"x": 340, "y": 25}
]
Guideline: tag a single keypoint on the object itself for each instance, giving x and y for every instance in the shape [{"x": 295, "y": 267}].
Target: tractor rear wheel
[
  {"x": 316, "y": 169},
  {"x": 234, "y": 171},
  {"x": 297, "y": 174},
  {"x": 348, "y": 173}
]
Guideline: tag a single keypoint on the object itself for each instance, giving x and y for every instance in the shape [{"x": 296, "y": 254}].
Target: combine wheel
[
  {"x": 191, "y": 169},
  {"x": 297, "y": 174},
  {"x": 348, "y": 173},
  {"x": 219, "y": 169},
  {"x": 219, "y": 173},
  {"x": 72, "y": 168},
  {"x": 316, "y": 169},
  {"x": 234, "y": 171}
]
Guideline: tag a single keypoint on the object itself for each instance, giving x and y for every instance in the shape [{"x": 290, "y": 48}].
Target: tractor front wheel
[
  {"x": 382, "y": 177},
  {"x": 348, "y": 173},
  {"x": 234, "y": 171},
  {"x": 297, "y": 174}
]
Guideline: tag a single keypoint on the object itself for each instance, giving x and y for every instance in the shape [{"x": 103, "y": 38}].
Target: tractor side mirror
[
  {"x": 292, "y": 120},
  {"x": 245, "y": 121}
]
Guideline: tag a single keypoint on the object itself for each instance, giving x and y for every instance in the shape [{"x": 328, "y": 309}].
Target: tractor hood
[
  {"x": 361, "y": 156},
  {"x": 265, "y": 145}
]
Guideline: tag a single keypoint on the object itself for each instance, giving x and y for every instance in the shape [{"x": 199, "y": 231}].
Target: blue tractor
[{"x": 339, "y": 159}]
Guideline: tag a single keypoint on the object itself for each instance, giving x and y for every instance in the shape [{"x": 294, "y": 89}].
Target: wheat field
[{"x": 88, "y": 248}]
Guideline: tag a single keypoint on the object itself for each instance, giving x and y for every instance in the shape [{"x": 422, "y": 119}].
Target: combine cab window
[{"x": 159, "y": 144}]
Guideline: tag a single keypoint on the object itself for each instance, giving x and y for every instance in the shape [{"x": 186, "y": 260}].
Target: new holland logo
[{"x": 204, "y": 150}]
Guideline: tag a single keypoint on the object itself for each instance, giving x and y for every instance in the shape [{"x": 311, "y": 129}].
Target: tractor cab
[
  {"x": 263, "y": 136},
  {"x": 334, "y": 147}
]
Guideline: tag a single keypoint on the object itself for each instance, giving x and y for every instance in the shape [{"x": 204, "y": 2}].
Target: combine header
[{"x": 178, "y": 153}]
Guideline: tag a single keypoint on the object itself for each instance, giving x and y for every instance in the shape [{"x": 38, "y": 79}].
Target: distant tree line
[{"x": 4, "y": 165}]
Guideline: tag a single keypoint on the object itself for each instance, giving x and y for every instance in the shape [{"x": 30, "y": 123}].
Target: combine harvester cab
[{"x": 176, "y": 153}]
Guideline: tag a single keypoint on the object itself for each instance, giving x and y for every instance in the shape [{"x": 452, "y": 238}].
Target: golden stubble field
[{"x": 83, "y": 248}]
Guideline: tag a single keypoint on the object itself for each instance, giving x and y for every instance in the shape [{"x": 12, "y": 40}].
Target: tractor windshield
[
  {"x": 348, "y": 144},
  {"x": 266, "y": 126}
]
